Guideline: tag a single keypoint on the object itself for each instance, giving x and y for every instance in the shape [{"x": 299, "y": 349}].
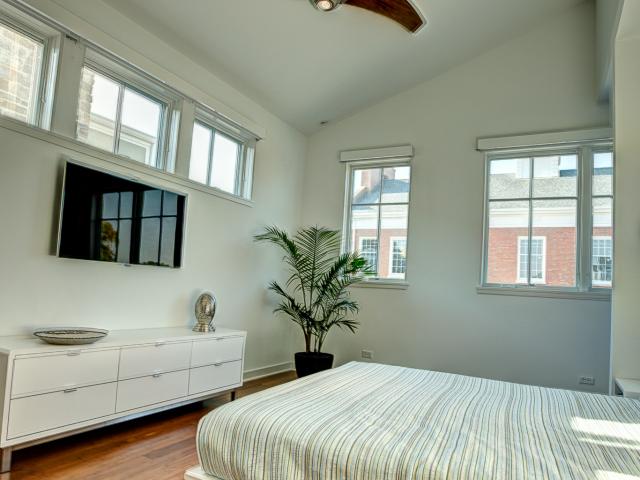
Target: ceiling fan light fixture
[
  {"x": 326, "y": 5},
  {"x": 403, "y": 12}
]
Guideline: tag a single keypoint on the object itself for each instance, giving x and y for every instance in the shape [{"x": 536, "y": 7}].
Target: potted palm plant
[{"x": 315, "y": 295}]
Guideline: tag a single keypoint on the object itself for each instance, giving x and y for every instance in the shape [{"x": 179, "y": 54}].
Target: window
[
  {"x": 369, "y": 251},
  {"x": 122, "y": 114},
  {"x": 220, "y": 159},
  {"x": 377, "y": 216},
  {"x": 26, "y": 56},
  {"x": 398, "y": 259},
  {"x": 117, "y": 117},
  {"x": 118, "y": 107},
  {"x": 541, "y": 208},
  {"x": 536, "y": 259},
  {"x": 602, "y": 261},
  {"x": 602, "y": 219}
]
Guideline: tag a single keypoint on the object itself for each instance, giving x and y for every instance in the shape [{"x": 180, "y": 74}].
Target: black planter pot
[{"x": 308, "y": 363}]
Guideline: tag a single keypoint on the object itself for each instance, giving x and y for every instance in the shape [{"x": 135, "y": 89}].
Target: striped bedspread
[{"x": 371, "y": 421}]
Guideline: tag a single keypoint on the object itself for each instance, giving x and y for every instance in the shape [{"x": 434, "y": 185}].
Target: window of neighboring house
[
  {"x": 398, "y": 257},
  {"x": 122, "y": 115},
  {"x": 538, "y": 218},
  {"x": 26, "y": 58},
  {"x": 220, "y": 159},
  {"x": 536, "y": 259},
  {"x": 378, "y": 214},
  {"x": 369, "y": 251},
  {"x": 602, "y": 261}
]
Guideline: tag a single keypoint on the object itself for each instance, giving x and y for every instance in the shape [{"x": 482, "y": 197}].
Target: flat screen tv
[{"x": 113, "y": 219}]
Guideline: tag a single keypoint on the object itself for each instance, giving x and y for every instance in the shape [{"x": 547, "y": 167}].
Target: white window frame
[
  {"x": 246, "y": 141},
  {"x": 524, "y": 280},
  {"x": 137, "y": 82},
  {"x": 50, "y": 39},
  {"x": 605, "y": 285},
  {"x": 585, "y": 148},
  {"x": 384, "y": 157},
  {"x": 601, "y": 283},
  {"x": 391, "y": 272}
]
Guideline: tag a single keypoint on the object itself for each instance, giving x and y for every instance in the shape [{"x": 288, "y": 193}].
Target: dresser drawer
[
  {"x": 38, "y": 413},
  {"x": 150, "y": 359},
  {"x": 217, "y": 350},
  {"x": 57, "y": 372},
  {"x": 213, "y": 377},
  {"x": 140, "y": 392}
]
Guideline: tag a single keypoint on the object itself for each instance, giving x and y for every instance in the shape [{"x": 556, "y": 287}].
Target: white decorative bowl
[{"x": 70, "y": 335}]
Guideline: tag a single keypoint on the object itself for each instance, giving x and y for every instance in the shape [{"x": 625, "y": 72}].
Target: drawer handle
[
  {"x": 73, "y": 353},
  {"x": 156, "y": 375},
  {"x": 159, "y": 344},
  {"x": 70, "y": 390}
]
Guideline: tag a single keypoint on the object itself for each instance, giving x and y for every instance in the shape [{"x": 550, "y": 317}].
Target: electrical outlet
[
  {"x": 586, "y": 380},
  {"x": 368, "y": 354}
]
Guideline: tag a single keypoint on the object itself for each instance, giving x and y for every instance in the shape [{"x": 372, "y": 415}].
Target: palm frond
[
  {"x": 321, "y": 276},
  {"x": 345, "y": 323}
]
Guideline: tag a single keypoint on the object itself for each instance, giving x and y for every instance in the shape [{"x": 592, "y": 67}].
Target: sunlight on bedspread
[{"x": 615, "y": 476}]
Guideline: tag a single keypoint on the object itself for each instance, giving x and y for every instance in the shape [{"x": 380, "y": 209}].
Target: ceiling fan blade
[{"x": 401, "y": 11}]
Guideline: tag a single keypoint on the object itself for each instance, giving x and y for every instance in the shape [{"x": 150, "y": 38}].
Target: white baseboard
[{"x": 261, "y": 372}]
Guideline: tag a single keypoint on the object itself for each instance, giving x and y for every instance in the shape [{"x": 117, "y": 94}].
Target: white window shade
[
  {"x": 399, "y": 152},
  {"x": 538, "y": 140}
]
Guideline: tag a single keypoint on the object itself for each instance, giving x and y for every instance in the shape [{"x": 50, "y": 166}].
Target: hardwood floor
[{"x": 158, "y": 447}]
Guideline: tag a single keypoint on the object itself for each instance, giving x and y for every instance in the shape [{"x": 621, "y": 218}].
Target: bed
[{"x": 372, "y": 421}]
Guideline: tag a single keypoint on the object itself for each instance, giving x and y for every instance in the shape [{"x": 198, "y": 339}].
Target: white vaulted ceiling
[{"x": 307, "y": 67}]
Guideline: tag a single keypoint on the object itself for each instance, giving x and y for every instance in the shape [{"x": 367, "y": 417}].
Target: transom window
[
  {"x": 216, "y": 159},
  {"x": 118, "y": 107},
  {"x": 549, "y": 218},
  {"x": 378, "y": 214},
  {"x": 115, "y": 116},
  {"x": 221, "y": 154},
  {"x": 25, "y": 58}
]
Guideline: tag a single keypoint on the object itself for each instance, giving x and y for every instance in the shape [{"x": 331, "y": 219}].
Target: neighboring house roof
[
  {"x": 506, "y": 186},
  {"x": 391, "y": 187}
]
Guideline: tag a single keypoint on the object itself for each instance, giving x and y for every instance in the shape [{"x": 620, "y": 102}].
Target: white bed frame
[{"x": 196, "y": 473}]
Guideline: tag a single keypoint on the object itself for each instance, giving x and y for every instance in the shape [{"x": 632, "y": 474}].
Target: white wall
[
  {"x": 625, "y": 316},
  {"x": 541, "y": 81},
  {"x": 36, "y": 288},
  {"x": 607, "y": 17}
]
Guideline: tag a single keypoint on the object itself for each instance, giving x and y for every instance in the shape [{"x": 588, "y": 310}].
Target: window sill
[
  {"x": 390, "y": 284},
  {"x": 603, "y": 296}
]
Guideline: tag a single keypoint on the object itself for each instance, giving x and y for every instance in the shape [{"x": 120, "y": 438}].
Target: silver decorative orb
[{"x": 205, "y": 310}]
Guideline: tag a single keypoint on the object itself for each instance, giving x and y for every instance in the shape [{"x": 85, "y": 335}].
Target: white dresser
[{"x": 52, "y": 391}]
